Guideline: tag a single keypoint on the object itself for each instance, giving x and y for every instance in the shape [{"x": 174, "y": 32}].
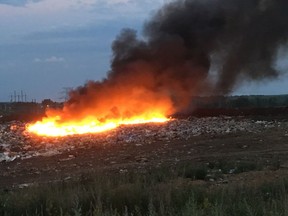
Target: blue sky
[{"x": 49, "y": 45}]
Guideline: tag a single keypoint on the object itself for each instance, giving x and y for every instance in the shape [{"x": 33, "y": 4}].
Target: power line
[{"x": 18, "y": 97}]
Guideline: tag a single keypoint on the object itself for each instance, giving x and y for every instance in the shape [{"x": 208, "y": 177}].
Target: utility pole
[
  {"x": 22, "y": 96},
  {"x": 14, "y": 96}
]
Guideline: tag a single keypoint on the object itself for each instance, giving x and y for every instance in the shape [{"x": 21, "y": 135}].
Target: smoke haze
[{"x": 171, "y": 61}]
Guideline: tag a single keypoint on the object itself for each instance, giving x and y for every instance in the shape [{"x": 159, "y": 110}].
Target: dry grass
[{"x": 160, "y": 192}]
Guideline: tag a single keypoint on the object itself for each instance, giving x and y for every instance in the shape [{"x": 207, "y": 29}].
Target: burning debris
[
  {"x": 186, "y": 44},
  {"x": 16, "y": 143}
]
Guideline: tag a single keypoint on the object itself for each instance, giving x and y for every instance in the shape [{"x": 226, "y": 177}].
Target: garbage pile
[{"x": 17, "y": 143}]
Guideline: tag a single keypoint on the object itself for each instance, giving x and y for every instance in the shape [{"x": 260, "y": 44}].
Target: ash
[{"x": 17, "y": 144}]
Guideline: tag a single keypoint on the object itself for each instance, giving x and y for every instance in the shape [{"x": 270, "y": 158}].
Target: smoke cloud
[{"x": 171, "y": 61}]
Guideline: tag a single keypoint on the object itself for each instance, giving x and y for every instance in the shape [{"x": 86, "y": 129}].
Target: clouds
[
  {"x": 52, "y": 59},
  {"x": 37, "y": 4},
  {"x": 17, "y": 3},
  {"x": 48, "y": 6},
  {"x": 24, "y": 17},
  {"x": 64, "y": 42}
]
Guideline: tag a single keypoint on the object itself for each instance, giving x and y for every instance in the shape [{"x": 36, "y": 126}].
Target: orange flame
[
  {"x": 51, "y": 126},
  {"x": 88, "y": 120},
  {"x": 100, "y": 106}
]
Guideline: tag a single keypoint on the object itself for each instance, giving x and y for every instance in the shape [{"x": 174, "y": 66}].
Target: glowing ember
[
  {"x": 102, "y": 106},
  {"x": 54, "y": 127}
]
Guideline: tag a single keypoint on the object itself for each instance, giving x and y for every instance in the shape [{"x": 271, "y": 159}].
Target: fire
[
  {"x": 52, "y": 127},
  {"x": 57, "y": 124},
  {"x": 135, "y": 98}
]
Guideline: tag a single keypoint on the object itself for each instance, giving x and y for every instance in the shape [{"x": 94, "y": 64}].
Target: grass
[{"x": 162, "y": 192}]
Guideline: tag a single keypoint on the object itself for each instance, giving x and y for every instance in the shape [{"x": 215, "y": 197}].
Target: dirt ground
[{"x": 268, "y": 147}]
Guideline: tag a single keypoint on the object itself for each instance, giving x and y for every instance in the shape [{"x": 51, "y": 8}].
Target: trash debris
[
  {"x": 6, "y": 157},
  {"x": 17, "y": 143}
]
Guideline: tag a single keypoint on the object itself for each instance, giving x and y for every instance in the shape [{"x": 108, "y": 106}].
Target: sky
[{"x": 48, "y": 46}]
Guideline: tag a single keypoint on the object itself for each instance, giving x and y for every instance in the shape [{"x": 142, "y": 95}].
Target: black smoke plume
[{"x": 184, "y": 39}]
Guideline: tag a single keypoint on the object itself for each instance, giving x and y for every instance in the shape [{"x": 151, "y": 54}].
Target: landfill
[{"x": 17, "y": 144}]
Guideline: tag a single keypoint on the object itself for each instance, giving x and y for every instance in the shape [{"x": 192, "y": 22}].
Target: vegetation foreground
[{"x": 185, "y": 191}]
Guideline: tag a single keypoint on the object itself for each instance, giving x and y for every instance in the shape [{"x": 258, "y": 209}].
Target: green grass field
[{"x": 161, "y": 191}]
